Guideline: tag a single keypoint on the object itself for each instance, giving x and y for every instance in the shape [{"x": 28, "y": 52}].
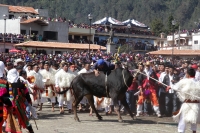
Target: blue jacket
[{"x": 107, "y": 67}]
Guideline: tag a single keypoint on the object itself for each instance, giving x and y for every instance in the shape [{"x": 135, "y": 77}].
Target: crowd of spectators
[
  {"x": 81, "y": 40},
  {"x": 188, "y": 32},
  {"x": 83, "y": 56},
  {"x": 19, "y": 38},
  {"x": 12, "y": 38},
  {"x": 59, "y": 19},
  {"x": 106, "y": 29},
  {"x": 144, "y": 46}
]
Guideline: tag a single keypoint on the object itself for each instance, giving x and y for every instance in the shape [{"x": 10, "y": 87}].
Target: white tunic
[
  {"x": 49, "y": 81},
  {"x": 189, "y": 111},
  {"x": 38, "y": 82},
  {"x": 63, "y": 79}
]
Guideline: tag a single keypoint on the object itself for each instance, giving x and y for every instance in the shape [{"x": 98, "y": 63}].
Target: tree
[
  {"x": 170, "y": 27},
  {"x": 186, "y": 11},
  {"x": 157, "y": 26}
]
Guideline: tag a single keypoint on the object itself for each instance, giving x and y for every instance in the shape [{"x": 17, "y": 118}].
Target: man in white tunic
[
  {"x": 28, "y": 68},
  {"x": 35, "y": 85},
  {"x": 188, "y": 90},
  {"x": 63, "y": 81},
  {"x": 48, "y": 75}
]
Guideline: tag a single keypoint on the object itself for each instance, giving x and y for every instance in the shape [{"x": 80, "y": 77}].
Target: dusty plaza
[{"x": 53, "y": 122}]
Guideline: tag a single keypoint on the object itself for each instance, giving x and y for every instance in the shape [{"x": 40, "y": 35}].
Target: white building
[
  {"x": 81, "y": 34},
  {"x": 196, "y": 40},
  {"x": 29, "y": 21},
  {"x": 187, "y": 41}
]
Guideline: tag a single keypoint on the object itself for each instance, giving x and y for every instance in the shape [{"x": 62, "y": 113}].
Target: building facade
[
  {"x": 187, "y": 41},
  {"x": 28, "y": 21}
]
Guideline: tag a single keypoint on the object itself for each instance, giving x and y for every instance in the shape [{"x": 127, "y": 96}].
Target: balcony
[
  {"x": 182, "y": 47},
  {"x": 127, "y": 35},
  {"x": 81, "y": 31}
]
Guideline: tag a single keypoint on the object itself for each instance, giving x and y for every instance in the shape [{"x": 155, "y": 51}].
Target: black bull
[{"x": 88, "y": 84}]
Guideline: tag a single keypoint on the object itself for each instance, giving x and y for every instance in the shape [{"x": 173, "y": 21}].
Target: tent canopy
[
  {"x": 135, "y": 23},
  {"x": 108, "y": 21}
]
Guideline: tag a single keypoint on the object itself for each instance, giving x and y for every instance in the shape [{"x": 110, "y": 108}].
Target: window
[
  {"x": 84, "y": 37},
  {"x": 23, "y": 32},
  {"x": 96, "y": 39},
  {"x": 195, "y": 41},
  {"x": 33, "y": 31},
  {"x": 70, "y": 37},
  {"x": 11, "y": 16},
  {"x": 76, "y": 37},
  {"x": 51, "y": 35}
]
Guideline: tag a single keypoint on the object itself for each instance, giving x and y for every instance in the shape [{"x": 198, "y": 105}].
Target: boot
[
  {"x": 30, "y": 129},
  {"x": 139, "y": 110},
  {"x": 112, "y": 108},
  {"x": 156, "y": 109}
]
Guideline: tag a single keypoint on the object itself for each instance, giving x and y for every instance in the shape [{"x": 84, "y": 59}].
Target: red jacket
[{"x": 133, "y": 86}]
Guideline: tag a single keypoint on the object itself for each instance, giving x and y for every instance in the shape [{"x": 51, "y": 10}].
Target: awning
[
  {"x": 59, "y": 45},
  {"x": 108, "y": 21},
  {"x": 135, "y": 23}
]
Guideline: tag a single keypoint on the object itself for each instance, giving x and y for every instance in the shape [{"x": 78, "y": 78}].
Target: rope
[
  {"x": 106, "y": 79},
  {"x": 124, "y": 78},
  {"x": 167, "y": 85}
]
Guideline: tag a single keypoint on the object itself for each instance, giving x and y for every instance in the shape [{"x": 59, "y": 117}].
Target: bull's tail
[
  {"x": 74, "y": 93},
  {"x": 64, "y": 91}
]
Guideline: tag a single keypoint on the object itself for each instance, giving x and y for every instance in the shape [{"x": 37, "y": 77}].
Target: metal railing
[
  {"x": 126, "y": 35},
  {"x": 188, "y": 47},
  {"x": 11, "y": 40}
]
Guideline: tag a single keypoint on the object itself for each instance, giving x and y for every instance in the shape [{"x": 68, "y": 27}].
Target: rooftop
[
  {"x": 176, "y": 52},
  {"x": 59, "y": 45},
  {"x": 20, "y": 9},
  {"x": 35, "y": 20}
]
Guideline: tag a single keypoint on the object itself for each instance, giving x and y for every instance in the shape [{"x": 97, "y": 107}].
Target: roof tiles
[
  {"x": 37, "y": 20},
  {"x": 59, "y": 45},
  {"x": 176, "y": 52},
  {"x": 20, "y": 9}
]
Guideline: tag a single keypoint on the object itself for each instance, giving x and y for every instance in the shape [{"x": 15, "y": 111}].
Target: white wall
[
  {"x": 190, "y": 41},
  {"x": 12, "y": 26},
  {"x": 196, "y": 38},
  {"x": 170, "y": 38}
]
